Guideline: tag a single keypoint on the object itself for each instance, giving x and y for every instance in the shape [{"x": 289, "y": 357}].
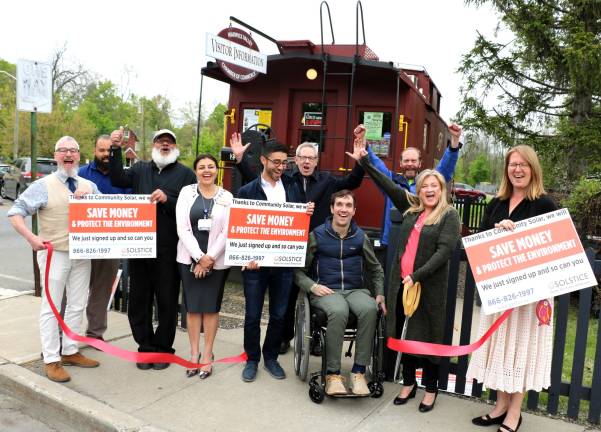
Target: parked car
[
  {"x": 462, "y": 190},
  {"x": 18, "y": 176}
]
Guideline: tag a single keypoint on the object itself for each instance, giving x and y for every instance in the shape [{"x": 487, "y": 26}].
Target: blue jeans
[{"x": 256, "y": 282}]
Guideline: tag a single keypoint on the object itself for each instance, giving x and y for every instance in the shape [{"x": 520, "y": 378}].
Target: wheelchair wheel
[
  {"x": 302, "y": 338},
  {"x": 316, "y": 393},
  {"x": 374, "y": 366},
  {"x": 376, "y": 389}
]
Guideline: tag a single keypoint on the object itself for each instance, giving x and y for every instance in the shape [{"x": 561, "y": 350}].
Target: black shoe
[
  {"x": 144, "y": 366},
  {"x": 402, "y": 401},
  {"x": 160, "y": 366},
  {"x": 284, "y": 347},
  {"x": 425, "y": 408},
  {"x": 488, "y": 420},
  {"x": 505, "y": 428}
]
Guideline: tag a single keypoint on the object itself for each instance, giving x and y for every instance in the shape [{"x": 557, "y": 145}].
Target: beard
[
  {"x": 102, "y": 165},
  {"x": 162, "y": 161},
  {"x": 68, "y": 172}
]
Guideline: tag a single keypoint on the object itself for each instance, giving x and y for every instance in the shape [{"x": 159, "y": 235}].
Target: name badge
[{"x": 204, "y": 224}]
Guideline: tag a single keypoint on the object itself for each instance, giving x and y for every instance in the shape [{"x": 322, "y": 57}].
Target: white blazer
[{"x": 187, "y": 246}]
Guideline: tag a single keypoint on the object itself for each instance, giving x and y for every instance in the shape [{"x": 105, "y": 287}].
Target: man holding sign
[{"x": 269, "y": 186}]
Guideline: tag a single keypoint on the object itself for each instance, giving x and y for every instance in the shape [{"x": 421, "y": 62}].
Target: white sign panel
[
  {"x": 541, "y": 258},
  {"x": 226, "y": 50},
  {"x": 34, "y": 86}
]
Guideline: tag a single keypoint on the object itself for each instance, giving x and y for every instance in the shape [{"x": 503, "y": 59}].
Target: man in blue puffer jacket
[{"x": 342, "y": 274}]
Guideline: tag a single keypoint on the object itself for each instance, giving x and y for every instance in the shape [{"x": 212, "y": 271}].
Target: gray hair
[
  {"x": 312, "y": 145},
  {"x": 64, "y": 140}
]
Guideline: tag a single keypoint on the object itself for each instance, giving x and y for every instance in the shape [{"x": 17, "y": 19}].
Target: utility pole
[{"x": 16, "y": 136}]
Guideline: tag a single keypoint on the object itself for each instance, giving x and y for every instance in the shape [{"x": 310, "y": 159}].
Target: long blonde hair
[
  {"x": 535, "y": 188},
  {"x": 417, "y": 206}
]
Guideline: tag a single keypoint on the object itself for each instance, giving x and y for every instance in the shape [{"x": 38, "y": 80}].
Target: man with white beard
[
  {"x": 162, "y": 178},
  {"x": 49, "y": 196}
]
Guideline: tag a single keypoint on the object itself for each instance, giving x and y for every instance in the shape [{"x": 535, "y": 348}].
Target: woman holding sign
[
  {"x": 429, "y": 235},
  {"x": 517, "y": 357},
  {"x": 202, "y": 213}
]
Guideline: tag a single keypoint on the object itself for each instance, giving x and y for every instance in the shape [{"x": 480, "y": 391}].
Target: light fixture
[{"x": 311, "y": 74}]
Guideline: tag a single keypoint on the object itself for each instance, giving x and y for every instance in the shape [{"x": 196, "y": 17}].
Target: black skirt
[{"x": 203, "y": 295}]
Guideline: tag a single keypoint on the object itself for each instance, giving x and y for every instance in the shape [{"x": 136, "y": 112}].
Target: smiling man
[
  {"x": 49, "y": 197},
  {"x": 342, "y": 274},
  {"x": 162, "y": 178}
]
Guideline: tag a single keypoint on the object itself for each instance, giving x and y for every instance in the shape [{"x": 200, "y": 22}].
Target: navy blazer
[{"x": 254, "y": 190}]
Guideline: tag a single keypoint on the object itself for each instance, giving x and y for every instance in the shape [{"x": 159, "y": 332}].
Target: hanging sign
[
  {"x": 34, "y": 86},
  {"x": 237, "y": 54}
]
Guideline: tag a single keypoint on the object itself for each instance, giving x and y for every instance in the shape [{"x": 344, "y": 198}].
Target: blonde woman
[
  {"x": 429, "y": 235},
  {"x": 202, "y": 213},
  {"x": 517, "y": 357}
]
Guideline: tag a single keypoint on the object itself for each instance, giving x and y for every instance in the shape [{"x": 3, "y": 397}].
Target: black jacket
[
  {"x": 144, "y": 177},
  {"x": 254, "y": 190},
  {"x": 319, "y": 187}
]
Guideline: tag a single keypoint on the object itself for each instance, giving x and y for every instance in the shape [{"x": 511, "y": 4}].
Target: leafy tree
[
  {"x": 479, "y": 170},
  {"x": 104, "y": 108},
  {"x": 546, "y": 81}
]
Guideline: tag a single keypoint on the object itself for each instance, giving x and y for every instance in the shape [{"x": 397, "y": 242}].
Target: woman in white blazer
[{"x": 202, "y": 213}]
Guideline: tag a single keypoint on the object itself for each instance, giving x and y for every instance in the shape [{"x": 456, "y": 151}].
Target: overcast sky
[{"x": 157, "y": 47}]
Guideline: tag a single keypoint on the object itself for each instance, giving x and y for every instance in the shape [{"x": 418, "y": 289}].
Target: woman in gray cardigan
[{"x": 429, "y": 235}]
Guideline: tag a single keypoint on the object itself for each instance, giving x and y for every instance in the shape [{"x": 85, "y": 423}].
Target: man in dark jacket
[
  {"x": 162, "y": 178},
  {"x": 340, "y": 262},
  {"x": 315, "y": 186},
  {"x": 269, "y": 186}
]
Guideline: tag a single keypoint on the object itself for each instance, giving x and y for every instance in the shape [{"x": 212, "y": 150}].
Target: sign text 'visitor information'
[
  {"x": 112, "y": 226},
  {"x": 541, "y": 258},
  {"x": 273, "y": 234}
]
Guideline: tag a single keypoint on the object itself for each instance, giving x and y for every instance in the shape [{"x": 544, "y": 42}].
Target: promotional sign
[
  {"x": 312, "y": 119},
  {"x": 256, "y": 116},
  {"x": 237, "y": 54},
  {"x": 541, "y": 258},
  {"x": 373, "y": 122},
  {"x": 273, "y": 234},
  {"x": 112, "y": 226},
  {"x": 34, "y": 86}
]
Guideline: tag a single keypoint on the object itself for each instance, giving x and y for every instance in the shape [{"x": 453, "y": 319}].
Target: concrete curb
[{"x": 63, "y": 408}]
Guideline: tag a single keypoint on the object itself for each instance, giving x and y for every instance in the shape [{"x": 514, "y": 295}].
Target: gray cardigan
[{"x": 435, "y": 247}]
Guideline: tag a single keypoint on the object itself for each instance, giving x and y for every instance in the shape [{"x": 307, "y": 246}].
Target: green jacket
[
  {"x": 435, "y": 247},
  {"x": 375, "y": 274}
]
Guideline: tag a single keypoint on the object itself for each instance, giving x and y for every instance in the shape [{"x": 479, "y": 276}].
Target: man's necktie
[{"x": 71, "y": 184}]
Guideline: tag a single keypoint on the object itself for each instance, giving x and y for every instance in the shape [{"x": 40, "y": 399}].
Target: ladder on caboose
[{"x": 351, "y": 84}]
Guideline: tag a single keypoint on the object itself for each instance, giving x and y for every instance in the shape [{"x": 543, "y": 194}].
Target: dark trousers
[
  {"x": 288, "y": 334},
  {"x": 102, "y": 279},
  {"x": 278, "y": 282},
  {"x": 429, "y": 372},
  {"x": 150, "y": 278}
]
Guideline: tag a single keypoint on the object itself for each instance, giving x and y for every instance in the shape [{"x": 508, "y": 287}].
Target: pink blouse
[{"x": 408, "y": 258}]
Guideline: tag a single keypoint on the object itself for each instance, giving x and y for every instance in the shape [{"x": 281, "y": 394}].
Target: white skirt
[{"x": 517, "y": 357}]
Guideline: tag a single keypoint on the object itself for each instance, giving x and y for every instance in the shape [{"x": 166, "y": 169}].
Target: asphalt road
[{"x": 16, "y": 260}]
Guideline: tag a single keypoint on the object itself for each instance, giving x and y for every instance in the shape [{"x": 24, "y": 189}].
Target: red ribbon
[
  {"x": 132, "y": 356},
  {"x": 440, "y": 350}
]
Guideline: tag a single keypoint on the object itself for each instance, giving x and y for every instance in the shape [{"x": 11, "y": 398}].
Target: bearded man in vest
[
  {"x": 49, "y": 197},
  {"x": 343, "y": 275}
]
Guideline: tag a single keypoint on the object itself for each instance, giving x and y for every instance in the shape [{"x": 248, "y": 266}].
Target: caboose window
[
  {"x": 312, "y": 114},
  {"x": 378, "y": 127}
]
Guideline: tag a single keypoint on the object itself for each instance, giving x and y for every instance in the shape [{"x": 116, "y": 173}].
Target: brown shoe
[
  {"x": 359, "y": 384},
  {"x": 335, "y": 385},
  {"x": 80, "y": 360},
  {"x": 56, "y": 372}
]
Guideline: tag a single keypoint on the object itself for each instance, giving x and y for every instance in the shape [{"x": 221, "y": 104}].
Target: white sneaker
[
  {"x": 335, "y": 385},
  {"x": 359, "y": 384}
]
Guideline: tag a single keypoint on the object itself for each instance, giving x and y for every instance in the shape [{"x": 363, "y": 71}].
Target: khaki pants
[
  {"x": 337, "y": 307},
  {"x": 102, "y": 278}
]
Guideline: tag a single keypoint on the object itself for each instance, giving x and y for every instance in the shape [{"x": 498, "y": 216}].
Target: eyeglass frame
[
  {"x": 307, "y": 158},
  {"x": 64, "y": 150},
  {"x": 515, "y": 165},
  {"x": 277, "y": 163}
]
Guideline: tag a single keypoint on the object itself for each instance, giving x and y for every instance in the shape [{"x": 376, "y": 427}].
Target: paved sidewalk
[{"x": 119, "y": 397}]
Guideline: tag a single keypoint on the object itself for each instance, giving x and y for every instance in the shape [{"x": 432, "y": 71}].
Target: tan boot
[
  {"x": 359, "y": 384},
  {"x": 335, "y": 385},
  {"x": 80, "y": 360},
  {"x": 56, "y": 372}
]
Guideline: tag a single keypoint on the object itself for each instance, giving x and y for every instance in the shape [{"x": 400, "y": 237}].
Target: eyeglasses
[
  {"x": 307, "y": 158},
  {"x": 278, "y": 163},
  {"x": 514, "y": 165},
  {"x": 64, "y": 150}
]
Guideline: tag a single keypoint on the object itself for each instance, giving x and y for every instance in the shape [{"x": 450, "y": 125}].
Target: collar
[
  {"x": 265, "y": 183},
  {"x": 62, "y": 176}
]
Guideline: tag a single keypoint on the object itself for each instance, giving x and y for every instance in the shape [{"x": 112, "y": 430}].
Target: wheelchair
[{"x": 310, "y": 324}]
